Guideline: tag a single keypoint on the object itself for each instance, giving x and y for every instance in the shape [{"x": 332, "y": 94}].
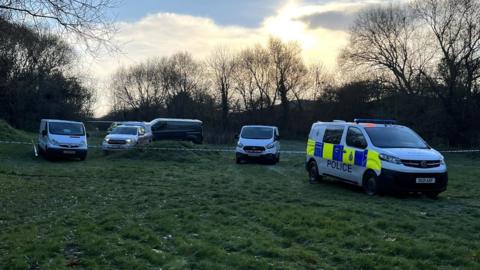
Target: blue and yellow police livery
[{"x": 378, "y": 155}]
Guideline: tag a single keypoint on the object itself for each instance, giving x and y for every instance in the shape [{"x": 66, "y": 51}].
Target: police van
[{"x": 378, "y": 155}]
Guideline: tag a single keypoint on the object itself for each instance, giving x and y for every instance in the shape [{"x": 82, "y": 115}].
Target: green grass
[{"x": 189, "y": 210}]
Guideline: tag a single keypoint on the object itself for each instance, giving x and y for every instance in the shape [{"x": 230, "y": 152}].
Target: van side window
[
  {"x": 333, "y": 135},
  {"x": 159, "y": 126},
  {"x": 355, "y": 138}
]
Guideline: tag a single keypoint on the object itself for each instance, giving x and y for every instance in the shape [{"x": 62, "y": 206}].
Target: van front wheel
[
  {"x": 370, "y": 184},
  {"x": 313, "y": 176}
]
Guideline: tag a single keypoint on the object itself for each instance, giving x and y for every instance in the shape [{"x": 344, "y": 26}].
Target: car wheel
[
  {"x": 370, "y": 184},
  {"x": 313, "y": 176},
  {"x": 83, "y": 157},
  {"x": 432, "y": 195},
  {"x": 278, "y": 159},
  {"x": 238, "y": 160}
]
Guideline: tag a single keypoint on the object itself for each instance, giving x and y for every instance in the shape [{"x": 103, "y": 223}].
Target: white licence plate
[
  {"x": 69, "y": 152},
  {"x": 425, "y": 180}
]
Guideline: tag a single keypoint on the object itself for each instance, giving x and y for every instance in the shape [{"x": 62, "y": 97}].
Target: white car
[
  {"x": 60, "y": 138},
  {"x": 146, "y": 126},
  {"x": 124, "y": 137},
  {"x": 377, "y": 155},
  {"x": 258, "y": 142}
]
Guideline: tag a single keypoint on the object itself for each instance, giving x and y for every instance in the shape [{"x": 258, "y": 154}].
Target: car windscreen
[
  {"x": 63, "y": 128},
  {"x": 257, "y": 133},
  {"x": 125, "y": 130},
  {"x": 395, "y": 137}
]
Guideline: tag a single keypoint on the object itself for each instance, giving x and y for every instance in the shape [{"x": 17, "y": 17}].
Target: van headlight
[
  {"x": 442, "y": 161},
  {"x": 106, "y": 140},
  {"x": 270, "y": 146},
  {"x": 83, "y": 143},
  {"x": 128, "y": 141},
  {"x": 54, "y": 142},
  {"x": 390, "y": 159},
  {"x": 240, "y": 145}
]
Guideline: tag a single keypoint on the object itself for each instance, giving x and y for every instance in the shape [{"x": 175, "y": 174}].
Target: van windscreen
[
  {"x": 259, "y": 133},
  {"x": 395, "y": 137},
  {"x": 125, "y": 130},
  {"x": 63, "y": 128}
]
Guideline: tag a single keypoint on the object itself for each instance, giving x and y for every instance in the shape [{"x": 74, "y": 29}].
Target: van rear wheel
[{"x": 370, "y": 184}]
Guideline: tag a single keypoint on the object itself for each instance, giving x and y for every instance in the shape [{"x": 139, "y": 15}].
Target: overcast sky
[{"x": 150, "y": 28}]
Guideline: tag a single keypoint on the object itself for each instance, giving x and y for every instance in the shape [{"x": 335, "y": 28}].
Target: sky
[{"x": 156, "y": 28}]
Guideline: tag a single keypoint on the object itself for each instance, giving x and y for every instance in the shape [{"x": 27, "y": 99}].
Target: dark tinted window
[
  {"x": 355, "y": 138},
  {"x": 333, "y": 135},
  {"x": 257, "y": 133},
  {"x": 60, "y": 128},
  {"x": 180, "y": 125},
  {"x": 125, "y": 130},
  {"x": 159, "y": 125},
  {"x": 395, "y": 137}
]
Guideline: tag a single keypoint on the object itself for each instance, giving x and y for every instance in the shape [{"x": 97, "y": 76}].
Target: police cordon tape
[{"x": 226, "y": 150}]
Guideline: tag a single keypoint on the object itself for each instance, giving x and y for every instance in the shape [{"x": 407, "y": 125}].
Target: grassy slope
[{"x": 142, "y": 210}]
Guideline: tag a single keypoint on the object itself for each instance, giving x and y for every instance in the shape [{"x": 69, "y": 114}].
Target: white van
[
  {"x": 262, "y": 142},
  {"x": 60, "y": 138},
  {"x": 377, "y": 155}
]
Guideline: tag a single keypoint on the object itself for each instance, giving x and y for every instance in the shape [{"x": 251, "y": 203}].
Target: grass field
[{"x": 189, "y": 210}]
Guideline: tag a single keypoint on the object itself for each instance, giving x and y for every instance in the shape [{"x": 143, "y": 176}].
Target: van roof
[
  {"x": 61, "y": 121},
  {"x": 176, "y": 120},
  {"x": 362, "y": 124},
  {"x": 259, "y": 126}
]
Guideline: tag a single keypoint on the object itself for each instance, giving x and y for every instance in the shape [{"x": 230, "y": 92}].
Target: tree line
[
  {"x": 36, "y": 80},
  {"x": 416, "y": 62}
]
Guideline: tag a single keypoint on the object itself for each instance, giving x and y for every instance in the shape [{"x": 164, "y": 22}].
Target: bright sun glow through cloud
[{"x": 320, "y": 29}]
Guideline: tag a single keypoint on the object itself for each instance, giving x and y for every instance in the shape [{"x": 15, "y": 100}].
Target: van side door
[
  {"x": 160, "y": 130},
  {"x": 355, "y": 154},
  {"x": 332, "y": 151}
]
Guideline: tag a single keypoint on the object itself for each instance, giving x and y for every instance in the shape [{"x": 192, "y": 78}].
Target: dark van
[{"x": 177, "y": 129}]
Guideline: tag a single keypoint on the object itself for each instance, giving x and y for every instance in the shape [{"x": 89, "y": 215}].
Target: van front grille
[
  {"x": 117, "y": 141},
  {"x": 69, "y": 145},
  {"x": 423, "y": 164},
  {"x": 254, "y": 148}
]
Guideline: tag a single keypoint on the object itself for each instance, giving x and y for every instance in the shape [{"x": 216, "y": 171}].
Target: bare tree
[
  {"x": 256, "y": 64},
  {"x": 222, "y": 65},
  {"x": 388, "y": 38},
  {"x": 86, "y": 19},
  {"x": 455, "y": 25},
  {"x": 139, "y": 87},
  {"x": 183, "y": 74},
  {"x": 289, "y": 73}
]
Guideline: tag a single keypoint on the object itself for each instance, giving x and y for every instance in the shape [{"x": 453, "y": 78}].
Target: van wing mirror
[
  {"x": 44, "y": 133},
  {"x": 236, "y": 137},
  {"x": 277, "y": 137},
  {"x": 88, "y": 135}
]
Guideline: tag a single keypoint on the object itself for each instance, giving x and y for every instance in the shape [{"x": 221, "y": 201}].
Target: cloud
[
  {"x": 164, "y": 34},
  {"x": 334, "y": 20}
]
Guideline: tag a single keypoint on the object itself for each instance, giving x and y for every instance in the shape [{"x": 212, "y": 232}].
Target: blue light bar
[{"x": 376, "y": 121}]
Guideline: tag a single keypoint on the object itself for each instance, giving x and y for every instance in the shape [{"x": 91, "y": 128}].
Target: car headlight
[
  {"x": 128, "y": 140},
  {"x": 391, "y": 159},
  {"x": 106, "y": 140},
  {"x": 83, "y": 143},
  {"x": 270, "y": 146},
  {"x": 240, "y": 145}
]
